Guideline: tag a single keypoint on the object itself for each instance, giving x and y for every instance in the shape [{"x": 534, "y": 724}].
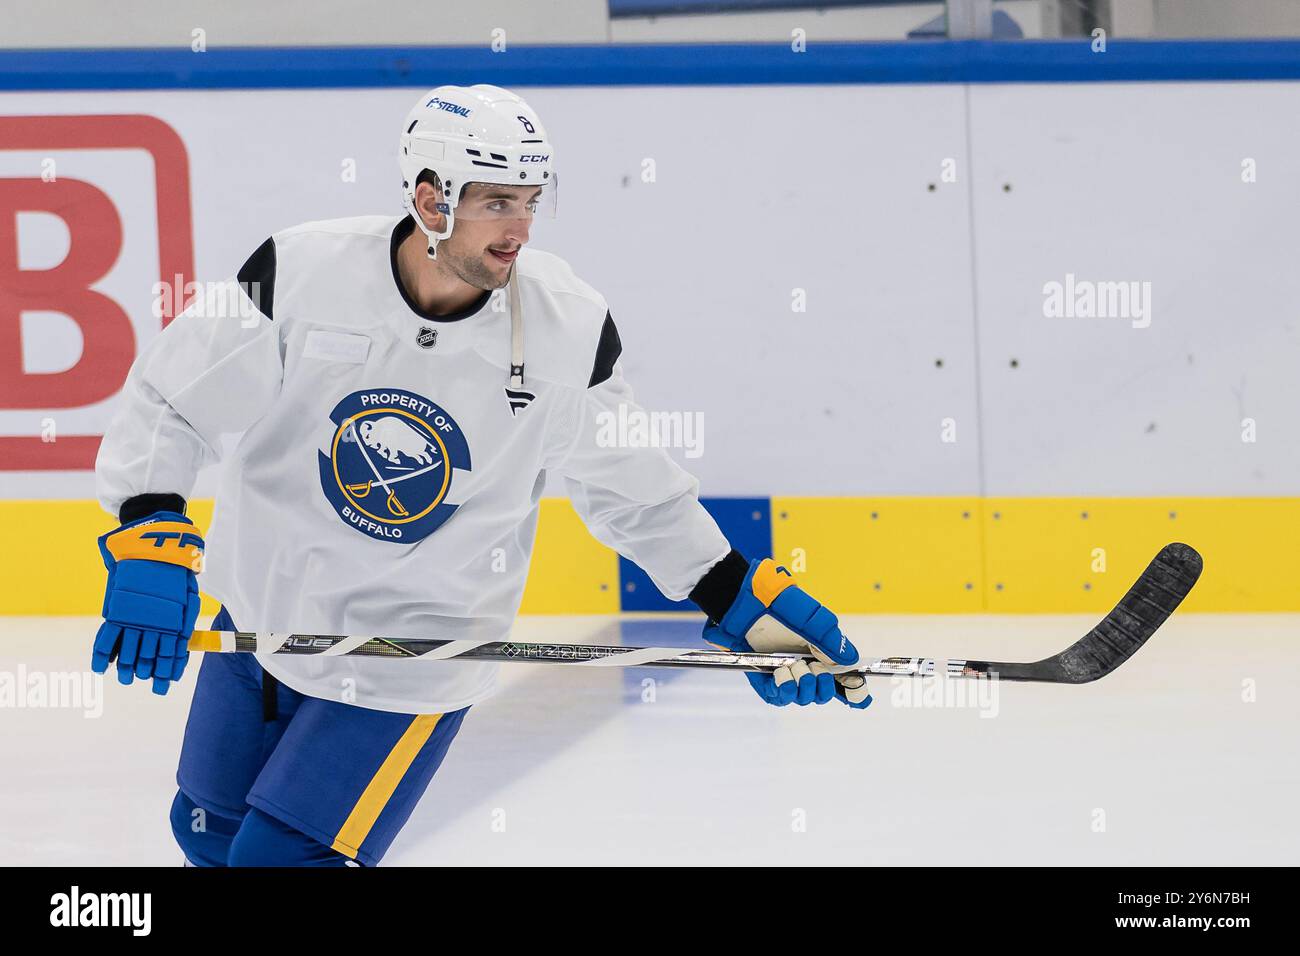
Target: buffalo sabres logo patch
[{"x": 390, "y": 463}]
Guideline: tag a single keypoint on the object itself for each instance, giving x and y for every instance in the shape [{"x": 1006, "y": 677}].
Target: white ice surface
[{"x": 573, "y": 766}]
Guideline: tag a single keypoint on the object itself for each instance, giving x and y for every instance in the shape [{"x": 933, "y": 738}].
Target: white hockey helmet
[{"x": 476, "y": 134}]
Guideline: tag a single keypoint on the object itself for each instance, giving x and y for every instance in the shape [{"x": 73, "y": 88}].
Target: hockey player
[{"x": 395, "y": 447}]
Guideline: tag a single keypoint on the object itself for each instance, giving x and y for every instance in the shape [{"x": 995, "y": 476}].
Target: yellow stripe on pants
[{"x": 380, "y": 789}]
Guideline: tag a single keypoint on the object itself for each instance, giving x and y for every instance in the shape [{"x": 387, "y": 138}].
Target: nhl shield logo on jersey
[{"x": 389, "y": 464}]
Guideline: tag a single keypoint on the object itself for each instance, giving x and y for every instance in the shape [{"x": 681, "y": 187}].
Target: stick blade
[{"x": 1157, "y": 593}]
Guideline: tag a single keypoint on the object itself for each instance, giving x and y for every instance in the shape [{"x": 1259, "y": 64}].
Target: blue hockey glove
[
  {"x": 770, "y": 614},
  {"x": 152, "y": 599}
]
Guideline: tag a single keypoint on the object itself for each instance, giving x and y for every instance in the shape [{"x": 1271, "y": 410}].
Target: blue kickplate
[{"x": 747, "y": 523}]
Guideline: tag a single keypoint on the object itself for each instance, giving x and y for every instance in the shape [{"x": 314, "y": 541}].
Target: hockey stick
[{"x": 1148, "y": 603}]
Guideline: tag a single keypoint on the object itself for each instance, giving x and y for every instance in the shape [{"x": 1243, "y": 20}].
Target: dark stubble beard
[{"x": 472, "y": 270}]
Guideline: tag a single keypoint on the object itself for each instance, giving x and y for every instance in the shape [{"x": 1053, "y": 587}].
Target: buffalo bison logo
[
  {"x": 390, "y": 463},
  {"x": 395, "y": 440}
]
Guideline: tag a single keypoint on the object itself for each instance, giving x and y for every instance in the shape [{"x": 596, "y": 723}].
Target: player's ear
[{"x": 427, "y": 197}]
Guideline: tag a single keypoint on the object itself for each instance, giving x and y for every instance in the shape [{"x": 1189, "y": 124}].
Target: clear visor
[{"x": 479, "y": 201}]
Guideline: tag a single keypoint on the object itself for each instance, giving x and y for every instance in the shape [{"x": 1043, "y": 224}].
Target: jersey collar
[{"x": 403, "y": 229}]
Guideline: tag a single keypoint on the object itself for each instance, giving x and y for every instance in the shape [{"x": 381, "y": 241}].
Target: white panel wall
[
  {"x": 762, "y": 191},
  {"x": 1139, "y": 182}
]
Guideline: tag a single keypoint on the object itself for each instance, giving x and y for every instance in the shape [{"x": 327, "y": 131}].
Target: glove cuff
[{"x": 165, "y": 537}]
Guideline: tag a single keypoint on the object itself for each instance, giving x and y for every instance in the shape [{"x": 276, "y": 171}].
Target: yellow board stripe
[
  {"x": 1033, "y": 555},
  {"x": 58, "y": 570},
  {"x": 571, "y": 572},
  {"x": 380, "y": 789},
  {"x": 1080, "y": 554},
  {"x": 884, "y": 555},
  {"x": 896, "y": 555}
]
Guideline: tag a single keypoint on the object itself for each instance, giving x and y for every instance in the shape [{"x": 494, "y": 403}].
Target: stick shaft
[
  {"x": 1155, "y": 595},
  {"x": 592, "y": 655}
]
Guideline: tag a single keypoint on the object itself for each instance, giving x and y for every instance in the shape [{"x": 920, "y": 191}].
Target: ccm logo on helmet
[
  {"x": 446, "y": 107},
  {"x": 534, "y": 158}
]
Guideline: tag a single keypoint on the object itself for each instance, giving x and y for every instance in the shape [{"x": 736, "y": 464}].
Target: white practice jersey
[{"x": 387, "y": 480}]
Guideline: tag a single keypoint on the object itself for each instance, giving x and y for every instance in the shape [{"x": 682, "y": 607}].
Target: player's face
[{"x": 492, "y": 224}]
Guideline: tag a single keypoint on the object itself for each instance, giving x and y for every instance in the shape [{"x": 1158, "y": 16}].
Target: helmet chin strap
[{"x": 433, "y": 237}]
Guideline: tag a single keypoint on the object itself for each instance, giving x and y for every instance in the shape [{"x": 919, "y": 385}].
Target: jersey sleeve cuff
[
  {"x": 717, "y": 590},
  {"x": 142, "y": 506}
]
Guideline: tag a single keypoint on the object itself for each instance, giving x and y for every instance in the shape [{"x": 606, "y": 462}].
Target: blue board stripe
[
  {"x": 922, "y": 61},
  {"x": 747, "y": 524}
]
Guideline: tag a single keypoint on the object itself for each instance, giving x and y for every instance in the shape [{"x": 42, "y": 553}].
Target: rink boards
[{"x": 858, "y": 555}]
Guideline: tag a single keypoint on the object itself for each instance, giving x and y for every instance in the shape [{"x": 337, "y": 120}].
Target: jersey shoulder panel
[
  {"x": 549, "y": 271},
  {"x": 570, "y": 315},
  {"x": 331, "y": 268},
  {"x": 379, "y": 227}
]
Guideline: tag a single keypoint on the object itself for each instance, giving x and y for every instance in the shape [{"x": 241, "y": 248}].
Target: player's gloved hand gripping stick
[
  {"x": 772, "y": 614},
  {"x": 152, "y": 599}
]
